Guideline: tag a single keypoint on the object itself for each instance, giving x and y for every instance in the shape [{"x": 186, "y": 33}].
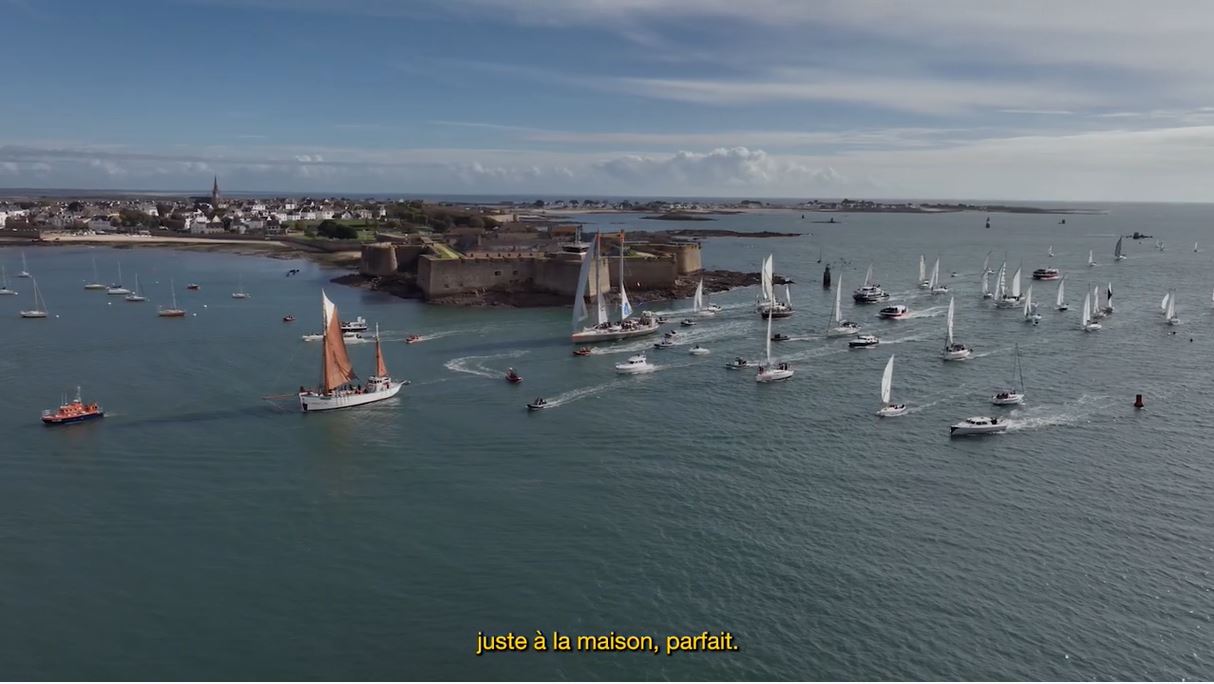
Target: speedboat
[
  {"x": 956, "y": 352},
  {"x": 891, "y": 410},
  {"x": 712, "y": 309},
  {"x": 357, "y": 325},
  {"x": 1047, "y": 274},
  {"x": 661, "y": 319},
  {"x": 74, "y": 411},
  {"x": 780, "y": 337},
  {"x": 513, "y": 377},
  {"x": 895, "y": 312},
  {"x": 698, "y": 350},
  {"x": 538, "y": 405},
  {"x": 635, "y": 364},
  {"x": 977, "y": 425},
  {"x": 687, "y": 322},
  {"x": 582, "y": 351},
  {"x": 245, "y": 295},
  {"x": 665, "y": 343},
  {"x": 781, "y": 371},
  {"x": 192, "y": 286},
  {"x": 1008, "y": 398},
  {"x": 739, "y": 363},
  {"x": 288, "y": 319},
  {"x": 413, "y": 339},
  {"x": 869, "y": 294},
  {"x": 863, "y": 342}
]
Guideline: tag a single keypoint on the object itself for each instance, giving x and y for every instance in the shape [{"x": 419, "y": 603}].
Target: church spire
[{"x": 215, "y": 192}]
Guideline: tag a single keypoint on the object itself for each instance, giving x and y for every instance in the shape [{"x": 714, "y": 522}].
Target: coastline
[{"x": 273, "y": 249}]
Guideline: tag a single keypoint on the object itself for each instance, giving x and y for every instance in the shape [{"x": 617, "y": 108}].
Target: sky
[{"x": 1068, "y": 100}]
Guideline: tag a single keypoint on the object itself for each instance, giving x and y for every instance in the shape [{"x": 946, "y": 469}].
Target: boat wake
[
  {"x": 1045, "y": 416},
  {"x": 474, "y": 365},
  {"x": 581, "y": 393},
  {"x": 930, "y": 312}
]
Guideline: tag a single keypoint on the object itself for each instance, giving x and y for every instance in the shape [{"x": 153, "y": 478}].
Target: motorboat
[
  {"x": 75, "y": 411},
  {"x": 687, "y": 322},
  {"x": 780, "y": 371},
  {"x": 349, "y": 337},
  {"x": 288, "y": 319},
  {"x": 192, "y": 286},
  {"x": 635, "y": 364},
  {"x": 513, "y": 377},
  {"x": 413, "y": 339},
  {"x": 357, "y": 325},
  {"x": 978, "y": 425},
  {"x": 698, "y": 351},
  {"x": 895, "y": 312},
  {"x": 863, "y": 342},
  {"x": 739, "y": 363},
  {"x": 780, "y": 337},
  {"x": 664, "y": 343},
  {"x": 580, "y": 351},
  {"x": 538, "y": 405},
  {"x": 662, "y": 319},
  {"x": 1047, "y": 274},
  {"x": 869, "y": 294},
  {"x": 713, "y": 309}
]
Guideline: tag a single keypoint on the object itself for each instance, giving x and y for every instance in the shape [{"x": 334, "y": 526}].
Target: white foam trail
[
  {"x": 909, "y": 338},
  {"x": 929, "y": 312},
  {"x": 1035, "y": 417},
  {"x": 473, "y": 365},
  {"x": 581, "y": 393}
]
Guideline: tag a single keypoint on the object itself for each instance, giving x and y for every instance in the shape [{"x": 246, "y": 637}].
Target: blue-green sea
[{"x": 201, "y": 531}]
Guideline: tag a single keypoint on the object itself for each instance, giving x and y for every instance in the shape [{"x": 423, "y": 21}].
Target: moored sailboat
[
  {"x": 117, "y": 288},
  {"x": 136, "y": 296},
  {"x": 889, "y": 410},
  {"x": 96, "y": 283},
  {"x": 337, "y": 388},
  {"x": 39, "y": 308},
  {"x": 172, "y": 311},
  {"x": 25, "y": 269},
  {"x": 4, "y": 288}
]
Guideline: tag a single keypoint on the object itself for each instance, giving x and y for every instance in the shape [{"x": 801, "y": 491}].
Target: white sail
[
  {"x": 949, "y": 335},
  {"x": 1171, "y": 308},
  {"x": 868, "y": 277},
  {"x": 579, "y": 299},
  {"x": 1117, "y": 249},
  {"x": 769, "y": 341},
  {"x": 1051, "y": 252},
  {"x": 1091, "y": 258},
  {"x": 1061, "y": 296},
  {"x": 625, "y": 306},
  {"x": 887, "y": 380},
  {"x": 1096, "y": 299},
  {"x": 838, "y": 295},
  {"x": 1001, "y": 281},
  {"x": 767, "y": 275},
  {"x": 698, "y": 302},
  {"x": 922, "y": 269},
  {"x": 1195, "y": 247},
  {"x": 986, "y": 284},
  {"x": 1163, "y": 305},
  {"x": 935, "y": 275},
  {"x": 788, "y": 295},
  {"x": 1016, "y": 285},
  {"x": 986, "y": 263},
  {"x": 1028, "y": 302},
  {"x": 1087, "y": 308}
]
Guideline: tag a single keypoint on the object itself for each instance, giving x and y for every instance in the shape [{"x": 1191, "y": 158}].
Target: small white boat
[
  {"x": 978, "y": 425},
  {"x": 117, "y": 288},
  {"x": 698, "y": 351},
  {"x": 635, "y": 364},
  {"x": 538, "y": 405},
  {"x": 687, "y": 322},
  {"x": 1013, "y": 395},
  {"x": 240, "y": 293},
  {"x": 953, "y": 350},
  {"x": 664, "y": 343},
  {"x": 895, "y": 312},
  {"x": 1091, "y": 259},
  {"x": 346, "y": 337},
  {"x": 1050, "y": 253},
  {"x": 39, "y": 309},
  {"x": 863, "y": 342},
  {"x": 1060, "y": 301},
  {"x": 1087, "y": 323},
  {"x": 889, "y": 410},
  {"x": 1170, "y": 314},
  {"x": 136, "y": 296},
  {"x": 840, "y": 327},
  {"x": 739, "y": 363}
]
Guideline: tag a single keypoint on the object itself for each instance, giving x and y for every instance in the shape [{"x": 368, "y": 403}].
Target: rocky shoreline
[{"x": 405, "y": 287}]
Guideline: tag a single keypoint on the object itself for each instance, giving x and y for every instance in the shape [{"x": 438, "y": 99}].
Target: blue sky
[{"x": 1052, "y": 100}]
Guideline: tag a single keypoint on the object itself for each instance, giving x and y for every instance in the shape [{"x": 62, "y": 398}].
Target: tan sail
[
  {"x": 335, "y": 367},
  {"x": 381, "y": 368}
]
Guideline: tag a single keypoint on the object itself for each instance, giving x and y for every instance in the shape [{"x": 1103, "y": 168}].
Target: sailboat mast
[{"x": 623, "y": 297}]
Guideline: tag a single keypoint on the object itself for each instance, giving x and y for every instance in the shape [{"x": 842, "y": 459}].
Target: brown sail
[
  {"x": 381, "y": 369},
  {"x": 335, "y": 367}
]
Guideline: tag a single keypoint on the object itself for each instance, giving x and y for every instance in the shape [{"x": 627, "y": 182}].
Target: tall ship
[
  {"x": 337, "y": 388},
  {"x": 604, "y": 329}
]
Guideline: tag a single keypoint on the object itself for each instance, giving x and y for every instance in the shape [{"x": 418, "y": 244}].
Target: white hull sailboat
[
  {"x": 1015, "y": 394},
  {"x": 39, "y": 309},
  {"x": 1091, "y": 258},
  {"x": 953, "y": 350},
  {"x": 1170, "y": 313},
  {"x": 172, "y": 311},
  {"x": 1087, "y": 323},
  {"x": 768, "y": 306},
  {"x": 700, "y": 303},
  {"x": 337, "y": 389},
  {"x": 1030, "y": 307},
  {"x": 1117, "y": 255},
  {"x": 840, "y": 327},
  {"x": 240, "y": 293},
  {"x": 768, "y": 373},
  {"x": 117, "y": 288},
  {"x": 136, "y": 296},
  {"x": 604, "y": 329},
  {"x": 934, "y": 285},
  {"x": 96, "y": 284},
  {"x": 986, "y": 285},
  {"x": 4, "y": 288},
  {"x": 924, "y": 283},
  {"x": 25, "y": 269},
  {"x": 889, "y": 410},
  {"x": 1060, "y": 301},
  {"x": 1012, "y": 299},
  {"x": 1050, "y": 253}
]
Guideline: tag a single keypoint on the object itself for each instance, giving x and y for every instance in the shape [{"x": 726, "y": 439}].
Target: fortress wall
[
  {"x": 643, "y": 274},
  {"x": 439, "y": 277},
  {"x": 377, "y": 260}
]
